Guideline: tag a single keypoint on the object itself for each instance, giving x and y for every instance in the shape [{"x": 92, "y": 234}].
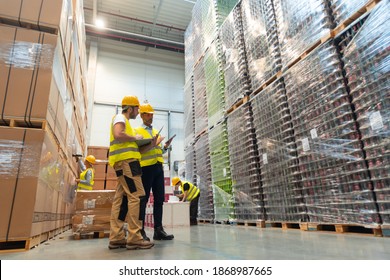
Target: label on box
[
  {"x": 265, "y": 159},
  {"x": 305, "y": 144},
  {"x": 313, "y": 133},
  {"x": 89, "y": 203},
  {"x": 88, "y": 220},
  {"x": 376, "y": 121}
]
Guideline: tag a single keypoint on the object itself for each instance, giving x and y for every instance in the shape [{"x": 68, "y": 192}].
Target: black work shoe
[
  {"x": 144, "y": 236},
  {"x": 160, "y": 234}
]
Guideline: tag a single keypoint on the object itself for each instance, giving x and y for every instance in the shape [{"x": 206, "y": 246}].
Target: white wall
[{"x": 155, "y": 75}]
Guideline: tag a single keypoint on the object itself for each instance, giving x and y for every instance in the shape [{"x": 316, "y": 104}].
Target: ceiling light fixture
[{"x": 99, "y": 23}]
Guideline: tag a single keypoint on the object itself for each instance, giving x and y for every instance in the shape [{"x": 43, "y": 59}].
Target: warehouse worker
[
  {"x": 191, "y": 193},
  {"x": 153, "y": 174},
  {"x": 124, "y": 156},
  {"x": 87, "y": 175}
]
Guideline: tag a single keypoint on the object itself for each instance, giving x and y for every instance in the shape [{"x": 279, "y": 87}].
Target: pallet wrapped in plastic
[
  {"x": 215, "y": 83},
  {"x": 281, "y": 183},
  {"x": 367, "y": 64},
  {"x": 344, "y": 9},
  {"x": 200, "y": 102},
  {"x": 244, "y": 163},
  {"x": 335, "y": 178},
  {"x": 203, "y": 178},
  {"x": 261, "y": 40},
  {"x": 234, "y": 64},
  {"x": 300, "y": 25},
  {"x": 189, "y": 113}
]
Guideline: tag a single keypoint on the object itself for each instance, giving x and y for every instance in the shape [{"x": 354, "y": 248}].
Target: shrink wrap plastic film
[
  {"x": 220, "y": 171},
  {"x": 244, "y": 163},
  {"x": 281, "y": 181},
  {"x": 367, "y": 65},
  {"x": 300, "y": 25},
  {"x": 335, "y": 178},
  {"x": 261, "y": 40},
  {"x": 215, "y": 84},
  {"x": 203, "y": 177},
  {"x": 343, "y": 9},
  {"x": 234, "y": 64}
]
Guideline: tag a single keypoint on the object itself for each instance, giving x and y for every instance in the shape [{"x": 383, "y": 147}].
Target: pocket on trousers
[
  {"x": 130, "y": 184},
  {"x": 135, "y": 168}
]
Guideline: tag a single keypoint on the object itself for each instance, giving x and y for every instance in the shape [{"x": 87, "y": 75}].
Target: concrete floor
[{"x": 220, "y": 242}]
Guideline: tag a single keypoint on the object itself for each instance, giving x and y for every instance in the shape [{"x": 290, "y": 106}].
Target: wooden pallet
[
  {"x": 205, "y": 221},
  {"x": 260, "y": 224},
  {"x": 267, "y": 83},
  {"x": 283, "y": 225},
  {"x": 240, "y": 102},
  {"x": 345, "y": 228},
  {"x": 23, "y": 123},
  {"x": 24, "y": 244},
  {"x": 90, "y": 235},
  {"x": 366, "y": 9}
]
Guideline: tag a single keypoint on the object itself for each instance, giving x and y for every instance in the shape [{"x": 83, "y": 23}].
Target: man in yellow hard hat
[
  {"x": 191, "y": 193},
  {"x": 87, "y": 175},
  {"x": 153, "y": 174},
  {"x": 124, "y": 157}
]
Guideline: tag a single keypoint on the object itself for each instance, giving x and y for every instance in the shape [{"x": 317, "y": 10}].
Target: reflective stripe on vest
[
  {"x": 154, "y": 155},
  {"x": 192, "y": 192},
  {"x": 122, "y": 150},
  {"x": 82, "y": 186}
]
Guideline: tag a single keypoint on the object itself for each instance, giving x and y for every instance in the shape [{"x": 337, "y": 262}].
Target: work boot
[
  {"x": 144, "y": 236},
  {"x": 117, "y": 244},
  {"x": 142, "y": 244},
  {"x": 160, "y": 234}
]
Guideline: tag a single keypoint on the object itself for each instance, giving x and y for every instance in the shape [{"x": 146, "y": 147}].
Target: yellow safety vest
[
  {"x": 122, "y": 150},
  {"x": 154, "y": 155},
  {"x": 82, "y": 186},
  {"x": 192, "y": 192}
]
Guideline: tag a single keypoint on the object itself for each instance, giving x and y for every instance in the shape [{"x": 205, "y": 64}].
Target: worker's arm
[
  {"x": 156, "y": 140},
  {"x": 119, "y": 132}
]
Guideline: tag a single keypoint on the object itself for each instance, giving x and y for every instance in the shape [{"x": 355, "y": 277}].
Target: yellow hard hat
[
  {"x": 146, "y": 108},
  {"x": 91, "y": 159},
  {"x": 130, "y": 100},
  {"x": 175, "y": 180}
]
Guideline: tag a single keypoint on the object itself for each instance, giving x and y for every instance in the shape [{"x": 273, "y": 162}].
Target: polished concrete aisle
[{"x": 220, "y": 242}]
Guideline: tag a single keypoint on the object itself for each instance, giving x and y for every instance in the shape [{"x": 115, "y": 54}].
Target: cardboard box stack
[
  {"x": 42, "y": 113},
  {"x": 92, "y": 211}
]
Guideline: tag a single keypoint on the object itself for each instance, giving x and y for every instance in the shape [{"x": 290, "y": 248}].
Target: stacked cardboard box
[
  {"x": 92, "y": 211},
  {"x": 42, "y": 113}
]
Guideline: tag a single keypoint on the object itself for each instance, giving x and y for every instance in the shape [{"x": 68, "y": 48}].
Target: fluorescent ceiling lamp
[
  {"x": 99, "y": 23},
  {"x": 193, "y": 2}
]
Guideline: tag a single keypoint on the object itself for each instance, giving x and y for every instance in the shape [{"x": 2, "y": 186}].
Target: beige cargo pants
[{"x": 130, "y": 188}]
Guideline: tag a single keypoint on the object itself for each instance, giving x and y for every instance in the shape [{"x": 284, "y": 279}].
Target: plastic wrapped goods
[
  {"x": 335, "y": 177},
  {"x": 281, "y": 183},
  {"x": 344, "y": 9},
  {"x": 261, "y": 40},
  {"x": 244, "y": 162},
  {"x": 367, "y": 65},
  {"x": 237, "y": 83},
  {"x": 300, "y": 25},
  {"x": 203, "y": 178}
]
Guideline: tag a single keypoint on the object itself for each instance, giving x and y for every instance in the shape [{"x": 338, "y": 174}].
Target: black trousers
[
  {"x": 153, "y": 179},
  {"x": 194, "y": 208}
]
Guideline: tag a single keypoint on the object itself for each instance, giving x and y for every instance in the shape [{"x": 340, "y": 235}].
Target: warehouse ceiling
[{"x": 152, "y": 23}]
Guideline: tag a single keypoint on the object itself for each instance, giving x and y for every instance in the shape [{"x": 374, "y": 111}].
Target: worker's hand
[
  {"x": 159, "y": 140},
  {"x": 77, "y": 181},
  {"x": 139, "y": 137}
]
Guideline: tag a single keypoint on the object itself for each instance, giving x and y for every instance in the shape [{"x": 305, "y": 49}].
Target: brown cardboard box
[
  {"x": 100, "y": 170},
  {"x": 111, "y": 175},
  {"x": 94, "y": 199},
  {"x": 11, "y": 140},
  {"x": 111, "y": 184},
  {"x": 99, "y": 184},
  {"x": 99, "y": 152},
  {"x": 10, "y": 11}
]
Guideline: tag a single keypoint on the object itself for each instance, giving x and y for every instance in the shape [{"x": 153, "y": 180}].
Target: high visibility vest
[
  {"x": 122, "y": 150},
  {"x": 192, "y": 192},
  {"x": 82, "y": 186},
  {"x": 154, "y": 155}
]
